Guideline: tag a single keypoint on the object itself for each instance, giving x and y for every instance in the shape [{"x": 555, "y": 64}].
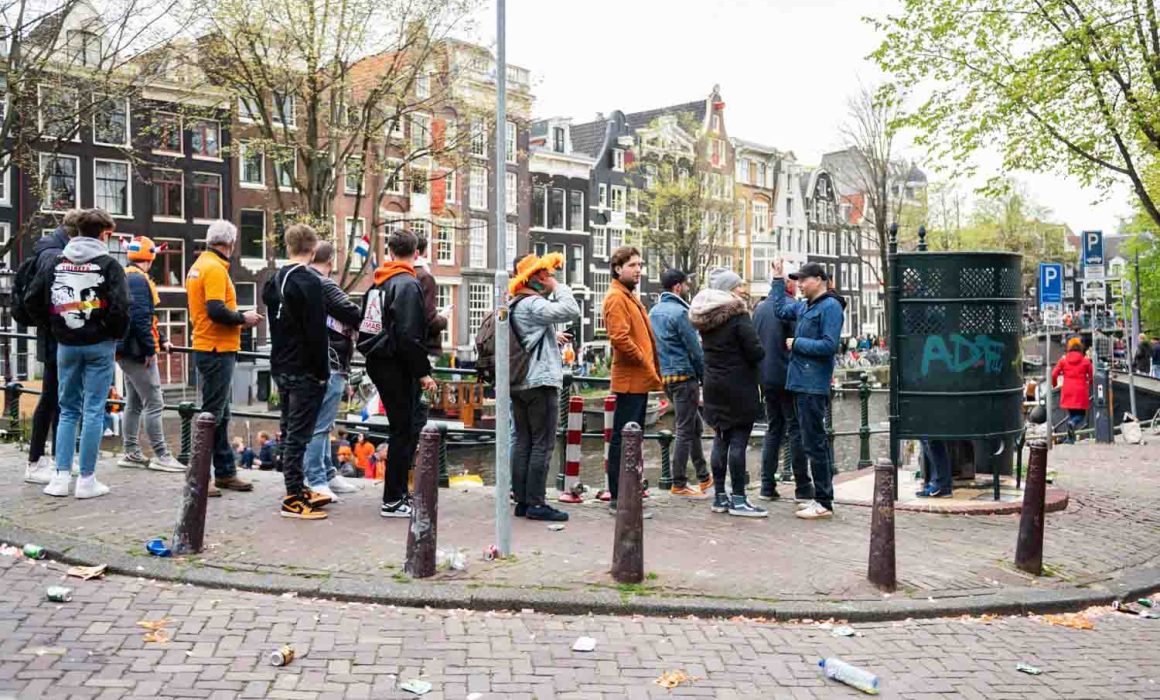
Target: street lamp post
[
  {"x": 503, "y": 467},
  {"x": 6, "y": 279},
  {"x": 1137, "y": 324}
]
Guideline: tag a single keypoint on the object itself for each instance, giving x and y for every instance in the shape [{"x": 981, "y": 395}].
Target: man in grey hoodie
[{"x": 539, "y": 302}]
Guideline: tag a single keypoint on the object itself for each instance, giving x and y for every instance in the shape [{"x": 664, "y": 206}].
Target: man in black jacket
[
  {"x": 84, "y": 301},
  {"x": 40, "y": 467},
  {"x": 299, "y": 363},
  {"x": 779, "y": 411},
  {"x": 392, "y": 336}
]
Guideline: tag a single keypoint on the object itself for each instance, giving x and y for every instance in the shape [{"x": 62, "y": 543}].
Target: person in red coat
[{"x": 1077, "y": 385}]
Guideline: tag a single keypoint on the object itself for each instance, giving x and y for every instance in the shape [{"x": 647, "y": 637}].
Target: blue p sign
[
  {"x": 1050, "y": 283},
  {"x": 1093, "y": 247}
]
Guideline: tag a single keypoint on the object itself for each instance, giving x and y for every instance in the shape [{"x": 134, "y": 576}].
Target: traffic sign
[
  {"x": 1093, "y": 247},
  {"x": 1094, "y": 272},
  {"x": 1094, "y": 292},
  {"x": 1050, "y": 283}
]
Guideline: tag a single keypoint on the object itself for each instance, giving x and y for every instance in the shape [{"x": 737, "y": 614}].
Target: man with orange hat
[
  {"x": 137, "y": 356},
  {"x": 539, "y": 302}
]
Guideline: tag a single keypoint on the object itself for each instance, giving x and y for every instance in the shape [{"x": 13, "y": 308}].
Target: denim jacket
[
  {"x": 533, "y": 322},
  {"x": 678, "y": 346},
  {"x": 816, "y": 341}
]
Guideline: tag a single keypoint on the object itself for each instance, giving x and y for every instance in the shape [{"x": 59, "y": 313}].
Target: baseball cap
[
  {"x": 810, "y": 269},
  {"x": 672, "y": 277}
]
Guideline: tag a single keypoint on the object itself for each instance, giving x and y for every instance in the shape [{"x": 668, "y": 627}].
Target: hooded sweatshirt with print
[
  {"x": 83, "y": 297},
  {"x": 395, "y": 304},
  {"x": 732, "y": 357}
]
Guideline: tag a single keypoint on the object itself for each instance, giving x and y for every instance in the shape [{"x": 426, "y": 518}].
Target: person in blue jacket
[{"x": 817, "y": 339}]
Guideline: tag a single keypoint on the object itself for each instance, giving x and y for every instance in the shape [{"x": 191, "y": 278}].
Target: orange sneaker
[
  {"x": 687, "y": 492},
  {"x": 707, "y": 484},
  {"x": 298, "y": 507}
]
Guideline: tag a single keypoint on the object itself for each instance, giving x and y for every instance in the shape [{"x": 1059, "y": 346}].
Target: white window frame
[
  {"x": 420, "y": 123},
  {"x": 212, "y": 159},
  {"x": 76, "y": 137},
  {"x": 451, "y": 186},
  {"x": 243, "y": 151},
  {"x": 346, "y": 173},
  {"x": 600, "y": 242},
  {"x": 5, "y": 234},
  {"x": 477, "y": 198},
  {"x": 181, "y": 197},
  {"x": 623, "y": 192},
  {"x": 572, "y": 224},
  {"x": 276, "y": 112},
  {"x": 128, "y": 186},
  {"x": 511, "y": 238},
  {"x": 602, "y": 200},
  {"x": 76, "y": 176},
  {"x": 618, "y": 160},
  {"x": 423, "y": 86},
  {"x": 184, "y": 247},
  {"x": 395, "y": 165},
  {"x": 444, "y": 244},
  {"x": 180, "y": 131},
  {"x": 5, "y": 178},
  {"x": 579, "y": 268},
  {"x": 246, "y": 115},
  {"x": 601, "y": 281},
  {"x": 760, "y": 218},
  {"x": 264, "y": 229},
  {"x": 478, "y": 141},
  {"x": 395, "y": 129},
  {"x": 445, "y": 298},
  {"x": 479, "y": 305},
  {"x": 279, "y": 168},
  {"x": 128, "y": 122},
  {"x": 511, "y": 192},
  {"x": 477, "y": 244},
  {"x": 511, "y": 143}
]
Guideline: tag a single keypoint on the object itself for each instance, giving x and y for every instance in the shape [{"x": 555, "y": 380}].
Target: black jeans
[
  {"x": 729, "y": 451},
  {"x": 301, "y": 398},
  {"x": 536, "y": 413},
  {"x": 783, "y": 429},
  {"x": 811, "y": 411},
  {"x": 630, "y": 408},
  {"x": 685, "y": 397},
  {"x": 47, "y": 412},
  {"x": 215, "y": 372},
  {"x": 400, "y": 396}
]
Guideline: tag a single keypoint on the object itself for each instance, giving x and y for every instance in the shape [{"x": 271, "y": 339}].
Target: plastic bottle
[{"x": 850, "y": 675}]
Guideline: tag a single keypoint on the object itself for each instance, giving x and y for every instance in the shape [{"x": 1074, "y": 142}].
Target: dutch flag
[
  {"x": 363, "y": 246},
  {"x": 373, "y": 407}
]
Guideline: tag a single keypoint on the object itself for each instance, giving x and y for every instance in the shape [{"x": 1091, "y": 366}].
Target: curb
[{"x": 1012, "y": 601}]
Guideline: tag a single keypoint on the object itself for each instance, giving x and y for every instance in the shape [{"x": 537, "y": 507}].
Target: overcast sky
[{"x": 785, "y": 67}]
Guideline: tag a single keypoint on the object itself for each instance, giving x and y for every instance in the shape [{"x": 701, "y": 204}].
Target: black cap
[
  {"x": 810, "y": 269},
  {"x": 672, "y": 277}
]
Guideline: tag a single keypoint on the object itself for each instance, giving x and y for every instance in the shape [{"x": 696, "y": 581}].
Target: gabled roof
[
  {"x": 755, "y": 147},
  {"x": 588, "y": 138},
  {"x": 638, "y": 120}
]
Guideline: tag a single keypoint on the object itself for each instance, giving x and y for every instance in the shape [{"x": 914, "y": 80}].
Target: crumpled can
[{"x": 158, "y": 548}]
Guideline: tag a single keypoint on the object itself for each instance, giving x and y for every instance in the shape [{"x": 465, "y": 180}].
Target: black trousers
[
  {"x": 301, "y": 400},
  {"x": 47, "y": 412},
  {"x": 729, "y": 455},
  {"x": 400, "y": 396},
  {"x": 536, "y": 413},
  {"x": 630, "y": 408}
]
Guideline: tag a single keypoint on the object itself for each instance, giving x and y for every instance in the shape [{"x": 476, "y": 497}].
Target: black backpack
[
  {"x": 520, "y": 358},
  {"x": 20, "y": 284}
]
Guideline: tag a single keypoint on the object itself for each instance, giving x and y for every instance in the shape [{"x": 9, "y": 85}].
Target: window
[
  {"x": 283, "y": 109},
  {"x": 452, "y": 187},
  {"x": 539, "y": 202},
  {"x": 421, "y": 229},
  {"x": 423, "y": 87},
  {"x": 168, "y": 186},
  {"x": 576, "y": 265},
  {"x": 251, "y": 166},
  {"x": 444, "y": 294},
  {"x": 252, "y": 233},
  {"x": 84, "y": 47},
  {"x": 478, "y": 139},
  {"x": 510, "y": 143},
  {"x": 394, "y": 176},
  {"x": 600, "y": 282},
  {"x": 558, "y": 139},
  {"x": 353, "y": 176},
  {"x": 511, "y": 192},
  {"x": 172, "y": 365},
  {"x": 111, "y": 186},
  {"x": 478, "y": 188},
  {"x": 59, "y": 112},
  {"x": 556, "y": 208},
  {"x": 111, "y": 121},
  {"x": 788, "y": 208},
  {"x": 477, "y": 244},
  {"x": 353, "y": 230},
  {"x": 742, "y": 223},
  {"x": 761, "y": 175},
  {"x": 763, "y": 255},
  {"x": 206, "y": 141},
  {"x": 715, "y": 123},
  {"x": 117, "y": 249},
  {"x": 420, "y": 181},
  {"x": 59, "y": 175},
  {"x": 420, "y": 131},
  {"x": 618, "y": 198},
  {"x": 168, "y": 268},
  {"x": 167, "y": 128},
  {"x": 248, "y": 109},
  {"x": 207, "y": 196},
  {"x": 742, "y": 170},
  {"x": 445, "y": 244},
  {"x": 615, "y": 238},
  {"x": 575, "y": 210},
  {"x": 284, "y": 168},
  {"x": 603, "y": 200},
  {"x": 511, "y": 238},
  {"x": 600, "y": 241},
  {"x": 618, "y": 159},
  {"x": 395, "y": 127},
  {"x": 717, "y": 156},
  {"x": 478, "y": 307},
  {"x": 760, "y": 218}
]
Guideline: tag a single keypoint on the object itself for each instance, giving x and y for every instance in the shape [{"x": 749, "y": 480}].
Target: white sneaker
[
  {"x": 168, "y": 463},
  {"x": 58, "y": 484},
  {"x": 40, "y": 471},
  {"x": 133, "y": 460},
  {"x": 109, "y": 432},
  {"x": 805, "y": 504},
  {"x": 75, "y": 469},
  {"x": 815, "y": 512},
  {"x": 324, "y": 490},
  {"x": 89, "y": 487},
  {"x": 340, "y": 485}
]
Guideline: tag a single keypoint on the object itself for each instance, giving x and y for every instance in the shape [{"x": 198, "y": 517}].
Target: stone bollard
[
  {"x": 444, "y": 476},
  {"x": 187, "y": 411},
  {"x": 1029, "y": 546},
  {"x": 665, "y": 437},
  {"x": 422, "y": 535},
  {"x": 189, "y": 535},
  {"x": 628, "y": 545},
  {"x": 881, "y": 568},
  {"x": 864, "y": 422}
]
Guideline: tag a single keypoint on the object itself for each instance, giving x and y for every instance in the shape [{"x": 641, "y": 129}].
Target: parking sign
[
  {"x": 1050, "y": 283},
  {"x": 1093, "y": 247}
]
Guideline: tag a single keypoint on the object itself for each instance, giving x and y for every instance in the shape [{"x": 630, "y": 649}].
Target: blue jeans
[
  {"x": 811, "y": 412},
  {"x": 85, "y": 375},
  {"x": 319, "y": 467},
  {"x": 938, "y": 465}
]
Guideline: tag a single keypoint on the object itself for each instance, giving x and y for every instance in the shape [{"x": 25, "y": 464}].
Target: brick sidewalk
[
  {"x": 93, "y": 648},
  {"x": 1109, "y": 530}
]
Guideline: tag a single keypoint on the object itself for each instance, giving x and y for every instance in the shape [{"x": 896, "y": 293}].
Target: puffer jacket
[
  {"x": 817, "y": 339},
  {"x": 533, "y": 324},
  {"x": 732, "y": 357}
]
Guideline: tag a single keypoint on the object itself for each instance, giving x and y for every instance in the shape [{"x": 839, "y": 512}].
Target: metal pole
[
  {"x": 503, "y": 467},
  {"x": 1134, "y": 340},
  {"x": 892, "y": 297},
  {"x": 1047, "y": 381}
]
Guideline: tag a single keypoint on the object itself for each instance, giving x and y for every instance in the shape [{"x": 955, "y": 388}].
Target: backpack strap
[{"x": 282, "y": 287}]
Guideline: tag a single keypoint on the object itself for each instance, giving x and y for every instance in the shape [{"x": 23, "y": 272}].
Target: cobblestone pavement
[
  {"x": 1111, "y": 526},
  {"x": 93, "y": 647}
]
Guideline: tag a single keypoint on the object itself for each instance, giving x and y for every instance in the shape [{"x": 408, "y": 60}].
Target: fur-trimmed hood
[{"x": 712, "y": 307}]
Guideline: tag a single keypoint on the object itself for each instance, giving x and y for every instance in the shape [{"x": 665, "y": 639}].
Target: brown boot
[{"x": 233, "y": 483}]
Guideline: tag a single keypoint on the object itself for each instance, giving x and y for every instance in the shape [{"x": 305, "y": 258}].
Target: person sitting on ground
[
  {"x": 363, "y": 449},
  {"x": 266, "y": 448},
  {"x": 245, "y": 456}
]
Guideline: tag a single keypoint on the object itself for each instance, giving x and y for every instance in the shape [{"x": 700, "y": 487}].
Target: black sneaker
[
  {"x": 721, "y": 503},
  {"x": 546, "y": 512},
  {"x": 521, "y": 510},
  {"x": 769, "y": 495},
  {"x": 396, "y": 509}
]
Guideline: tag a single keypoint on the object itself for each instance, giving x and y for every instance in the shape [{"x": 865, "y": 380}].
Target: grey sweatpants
[{"x": 143, "y": 393}]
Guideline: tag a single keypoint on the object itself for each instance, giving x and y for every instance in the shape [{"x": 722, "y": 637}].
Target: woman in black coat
[{"x": 732, "y": 357}]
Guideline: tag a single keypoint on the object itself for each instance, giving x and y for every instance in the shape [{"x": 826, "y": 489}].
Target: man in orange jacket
[{"x": 634, "y": 354}]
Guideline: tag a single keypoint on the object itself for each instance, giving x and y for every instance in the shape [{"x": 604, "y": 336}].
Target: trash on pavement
[
  {"x": 1078, "y": 621},
  {"x": 844, "y": 631},
  {"x": 1028, "y": 669},
  {"x": 584, "y": 644},
  {"x": 851, "y": 675},
  {"x": 416, "y": 686},
  {"x": 451, "y": 559},
  {"x": 41, "y": 651},
  {"x": 474, "y": 696},
  {"x": 153, "y": 624},
  {"x": 465, "y": 480},
  {"x": 58, "y": 594},
  {"x": 491, "y": 552},
  {"x": 556, "y": 527},
  {"x": 672, "y": 679},
  {"x": 158, "y": 548},
  {"x": 86, "y": 573},
  {"x": 34, "y": 551},
  {"x": 282, "y": 655}
]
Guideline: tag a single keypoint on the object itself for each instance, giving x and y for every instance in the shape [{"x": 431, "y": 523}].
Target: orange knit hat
[{"x": 142, "y": 249}]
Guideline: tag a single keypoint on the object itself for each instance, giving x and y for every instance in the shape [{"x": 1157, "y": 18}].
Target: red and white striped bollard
[
  {"x": 609, "y": 413},
  {"x": 571, "y": 492}
]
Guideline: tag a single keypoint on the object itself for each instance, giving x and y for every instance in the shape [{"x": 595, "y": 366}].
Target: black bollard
[
  {"x": 628, "y": 545},
  {"x": 189, "y": 535},
  {"x": 882, "y": 568},
  {"x": 1029, "y": 546},
  {"x": 422, "y": 535},
  {"x": 665, "y": 438}
]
